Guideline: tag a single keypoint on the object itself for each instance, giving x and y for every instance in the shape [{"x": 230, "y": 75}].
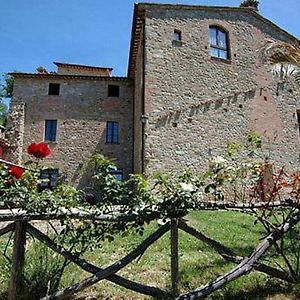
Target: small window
[
  {"x": 113, "y": 90},
  {"x": 112, "y": 132},
  {"x": 118, "y": 173},
  {"x": 50, "y": 177},
  {"x": 177, "y": 35},
  {"x": 53, "y": 89},
  {"x": 50, "y": 130},
  {"x": 218, "y": 42}
]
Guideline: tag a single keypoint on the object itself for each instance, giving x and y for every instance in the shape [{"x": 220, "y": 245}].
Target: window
[
  {"x": 177, "y": 38},
  {"x": 118, "y": 173},
  {"x": 218, "y": 42},
  {"x": 177, "y": 35},
  {"x": 50, "y": 177},
  {"x": 50, "y": 130},
  {"x": 53, "y": 89},
  {"x": 298, "y": 119},
  {"x": 112, "y": 132},
  {"x": 113, "y": 90}
]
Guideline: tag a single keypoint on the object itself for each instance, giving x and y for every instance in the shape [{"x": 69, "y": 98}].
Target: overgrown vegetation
[{"x": 243, "y": 175}]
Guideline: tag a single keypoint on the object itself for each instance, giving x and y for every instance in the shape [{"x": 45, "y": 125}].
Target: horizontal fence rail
[{"x": 97, "y": 215}]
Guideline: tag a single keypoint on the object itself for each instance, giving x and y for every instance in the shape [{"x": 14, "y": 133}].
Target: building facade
[
  {"x": 78, "y": 111},
  {"x": 195, "y": 82}
]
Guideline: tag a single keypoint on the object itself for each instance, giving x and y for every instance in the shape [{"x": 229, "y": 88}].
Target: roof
[
  {"x": 67, "y": 76},
  {"x": 76, "y": 66},
  {"x": 139, "y": 14}
]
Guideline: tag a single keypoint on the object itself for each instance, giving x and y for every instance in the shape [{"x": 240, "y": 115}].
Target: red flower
[
  {"x": 16, "y": 171},
  {"x": 40, "y": 150},
  {"x": 32, "y": 148}
]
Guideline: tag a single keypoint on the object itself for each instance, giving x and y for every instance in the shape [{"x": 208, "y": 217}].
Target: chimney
[
  {"x": 42, "y": 70},
  {"x": 250, "y": 3}
]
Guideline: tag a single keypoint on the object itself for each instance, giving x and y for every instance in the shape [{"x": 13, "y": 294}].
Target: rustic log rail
[
  {"x": 20, "y": 225},
  {"x": 79, "y": 213}
]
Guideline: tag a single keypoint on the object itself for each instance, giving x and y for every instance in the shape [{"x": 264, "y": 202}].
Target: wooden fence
[{"x": 20, "y": 224}]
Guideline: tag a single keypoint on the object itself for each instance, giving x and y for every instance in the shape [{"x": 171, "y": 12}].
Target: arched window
[{"x": 218, "y": 42}]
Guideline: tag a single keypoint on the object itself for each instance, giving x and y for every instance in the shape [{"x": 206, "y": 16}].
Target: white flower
[
  {"x": 219, "y": 160},
  {"x": 162, "y": 222},
  {"x": 187, "y": 187}
]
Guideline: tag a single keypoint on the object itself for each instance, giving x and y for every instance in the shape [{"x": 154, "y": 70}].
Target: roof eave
[
  {"x": 67, "y": 76},
  {"x": 135, "y": 14}
]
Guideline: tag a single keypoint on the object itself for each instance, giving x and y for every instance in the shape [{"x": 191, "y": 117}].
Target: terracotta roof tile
[{"x": 76, "y": 66}]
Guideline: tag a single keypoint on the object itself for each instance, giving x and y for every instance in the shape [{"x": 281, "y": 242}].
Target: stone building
[
  {"x": 195, "y": 81},
  {"x": 71, "y": 110}
]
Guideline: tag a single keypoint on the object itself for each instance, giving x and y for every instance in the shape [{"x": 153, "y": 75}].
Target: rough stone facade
[
  {"x": 81, "y": 110},
  {"x": 196, "y": 103},
  {"x": 179, "y": 105},
  {"x": 15, "y": 132}
]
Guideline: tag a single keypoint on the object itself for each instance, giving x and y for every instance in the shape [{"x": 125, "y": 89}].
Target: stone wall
[
  {"x": 15, "y": 132},
  {"x": 82, "y": 110},
  {"x": 197, "y": 104}
]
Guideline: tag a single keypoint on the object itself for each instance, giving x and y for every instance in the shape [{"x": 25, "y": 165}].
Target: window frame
[
  {"x": 51, "y": 88},
  {"x": 111, "y": 136},
  {"x": 177, "y": 35},
  {"x": 177, "y": 38},
  {"x": 218, "y": 29},
  {"x": 49, "y": 173},
  {"x": 46, "y": 132}
]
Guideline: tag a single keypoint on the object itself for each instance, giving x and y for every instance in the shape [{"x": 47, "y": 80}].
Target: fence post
[
  {"x": 18, "y": 258},
  {"x": 174, "y": 256}
]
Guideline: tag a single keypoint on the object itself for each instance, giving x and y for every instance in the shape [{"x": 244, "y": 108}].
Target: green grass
[{"x": 198, "y": 263}]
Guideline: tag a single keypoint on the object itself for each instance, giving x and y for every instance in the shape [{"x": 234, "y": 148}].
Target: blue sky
[{"x": 96, "y": 32}]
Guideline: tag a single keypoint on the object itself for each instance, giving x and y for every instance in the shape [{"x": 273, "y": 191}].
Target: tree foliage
[
  {"x": 284, "y": 57},
  {"x": 7, "y": 86},
  {"x": 6, "y": 89}
]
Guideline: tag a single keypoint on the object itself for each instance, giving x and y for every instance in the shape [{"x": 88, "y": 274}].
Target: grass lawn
[{"x": 198, "y": 263}]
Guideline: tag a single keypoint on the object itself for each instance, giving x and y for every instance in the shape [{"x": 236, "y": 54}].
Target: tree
[
  {"x": 6, "y": 89},
  {"x": 284, "y": 57}
]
